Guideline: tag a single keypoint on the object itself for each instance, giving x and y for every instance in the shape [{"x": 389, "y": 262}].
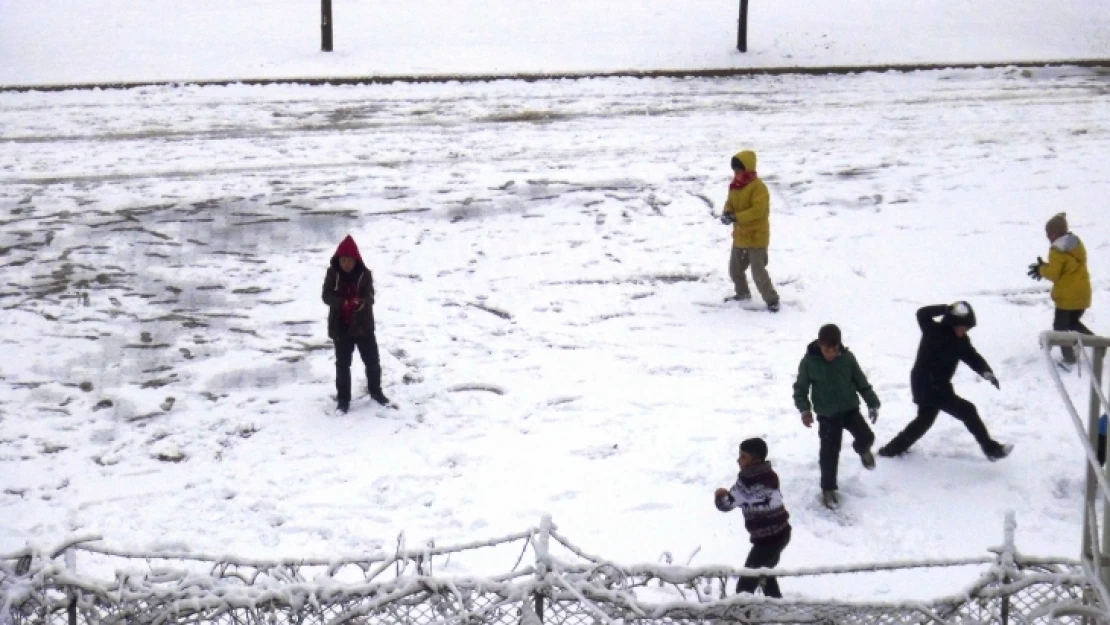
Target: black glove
[
  {"x": 989, "y": 377},
  {"x": 873, "y": 414},
  {"x": 723, "y": 501},
  {"x": 1035, "y": 269},
  {"x": 728, "y": 219}
]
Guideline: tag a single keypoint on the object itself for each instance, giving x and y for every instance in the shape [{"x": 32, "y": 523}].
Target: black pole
[
  {"x": 325, "y": 24},
  {"x": 742, "y": 32}
]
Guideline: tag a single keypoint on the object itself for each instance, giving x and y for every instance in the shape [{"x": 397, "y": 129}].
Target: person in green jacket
[{"x": 831, "y": 373}]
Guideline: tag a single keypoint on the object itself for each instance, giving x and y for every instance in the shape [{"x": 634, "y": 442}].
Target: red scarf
[
  {"x": 348, "y": 290},
  {"x": 741, "y": 180}
]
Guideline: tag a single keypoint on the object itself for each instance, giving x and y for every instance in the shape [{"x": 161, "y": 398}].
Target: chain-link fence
[{"x": 559, "y": 584}]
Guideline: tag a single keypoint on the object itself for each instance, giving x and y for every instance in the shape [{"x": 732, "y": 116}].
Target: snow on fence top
[{"x": 561, "y": 584}]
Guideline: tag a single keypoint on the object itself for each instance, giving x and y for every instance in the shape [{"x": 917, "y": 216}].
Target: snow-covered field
[
  {"x": 549, "y": 275},
  {"x": 80, "y": 41}
]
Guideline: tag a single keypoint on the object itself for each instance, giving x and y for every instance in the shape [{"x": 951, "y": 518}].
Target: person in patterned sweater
[{"x": 756, "y": 492}]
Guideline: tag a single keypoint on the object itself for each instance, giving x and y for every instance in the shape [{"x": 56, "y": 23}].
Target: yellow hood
[{"x": 747, "y": 157}]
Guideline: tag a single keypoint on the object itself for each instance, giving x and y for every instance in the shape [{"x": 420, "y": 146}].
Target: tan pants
[{"x": 756, "y": 257}]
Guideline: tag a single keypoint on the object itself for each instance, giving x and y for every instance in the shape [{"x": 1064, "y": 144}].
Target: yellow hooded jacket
[
  {"x": 1067, "y": 269},
  {"x": 751, "y": 206}
]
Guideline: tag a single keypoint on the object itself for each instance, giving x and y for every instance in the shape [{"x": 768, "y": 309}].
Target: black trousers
[
  {"x": 956, "y": 406},
  {"x": 830, "y": 429},
  {"x": 1068, "y": 321},
  {"x": 344, "y": 355},
  {"x": 763, "y": 556}
]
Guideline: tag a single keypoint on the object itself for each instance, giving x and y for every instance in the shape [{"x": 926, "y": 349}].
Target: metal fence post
[
  {"x": 325, "y": 25},
  {"x": 71, "y": 566},
  {"x": 742, "y": 31},
  {"x": 1008, "y": 562},
  {"x": 1096, "y": 411},
  {"x": 542, "y": 546}
]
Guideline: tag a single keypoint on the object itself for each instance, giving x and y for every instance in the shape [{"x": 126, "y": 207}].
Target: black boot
[
  {"x": 374, "y": 381},
  {"x": 886, "y": 451},
  {"x": 998, "y": 451},
  {"x": 343, "y": 405}
]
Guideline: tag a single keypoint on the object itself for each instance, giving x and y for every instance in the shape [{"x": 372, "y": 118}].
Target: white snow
[
  {"x": 70, "y": 41},
  {"x": 549, "y": 274}
]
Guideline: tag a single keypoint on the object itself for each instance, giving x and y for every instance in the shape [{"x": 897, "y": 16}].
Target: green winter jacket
[{"x": 836, "y": 384}]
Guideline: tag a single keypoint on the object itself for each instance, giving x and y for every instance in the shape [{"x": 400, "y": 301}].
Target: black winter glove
[
  {"x": 989, "y": 377},
  {"x": 728, "y": 219},
  {"x": 723, "y": 500},
  {"x": 1035, "y": 269}
]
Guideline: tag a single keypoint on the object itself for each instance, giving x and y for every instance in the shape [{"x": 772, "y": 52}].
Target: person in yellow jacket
[
  {"x": 1071, "y": 283},
  {"x": 748, "y": 210}
]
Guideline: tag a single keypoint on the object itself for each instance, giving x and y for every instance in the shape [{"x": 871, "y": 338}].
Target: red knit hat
[{"x": 347, "y": 248}]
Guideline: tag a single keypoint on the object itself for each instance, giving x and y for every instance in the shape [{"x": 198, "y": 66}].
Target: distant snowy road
[{"x": 549, "y": 277}]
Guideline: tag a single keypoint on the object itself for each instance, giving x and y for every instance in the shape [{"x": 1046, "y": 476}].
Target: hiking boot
[
  {"x": 378, "y": 396},
  {"x": 738, "y": 298},
  {"x": 886, "y": 452},
  {"x": 868, "y": 459},
  {"x": 999, "y": 452},
  {"x": 343, "y": 406},
  {"x": 830, "y": 499},
  {"x": 773, "y": 307}
]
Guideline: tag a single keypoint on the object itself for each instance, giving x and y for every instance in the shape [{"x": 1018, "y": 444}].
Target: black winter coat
[
  {"x": 938, "y": 355},
  {"x": 362, "y": 318}
]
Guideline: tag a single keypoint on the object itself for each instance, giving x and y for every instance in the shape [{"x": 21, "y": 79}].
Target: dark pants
[
  {"x": 763, "y": 556},
  {"x": 927, "y": 414},
  {"x": 344, "y": 353},
  {"x": 1068, "y": 321},
  {"x": 831, "y": 431}
]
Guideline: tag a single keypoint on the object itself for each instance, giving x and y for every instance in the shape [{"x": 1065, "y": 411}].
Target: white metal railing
[{"x": 1091, "y": 352}]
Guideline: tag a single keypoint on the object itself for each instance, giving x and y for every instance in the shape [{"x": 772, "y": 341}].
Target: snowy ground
[
  {"x": 549, "y": 276},
  {"x": 70, "y": 41}
]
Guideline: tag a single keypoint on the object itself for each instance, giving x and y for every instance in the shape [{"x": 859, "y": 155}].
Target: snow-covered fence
[
  {"x": 1091, "y": 354},
  {"x": 561, "y": 585}
]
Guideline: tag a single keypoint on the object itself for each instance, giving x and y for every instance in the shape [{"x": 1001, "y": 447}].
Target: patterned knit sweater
[{"x": 756, "y": 493}]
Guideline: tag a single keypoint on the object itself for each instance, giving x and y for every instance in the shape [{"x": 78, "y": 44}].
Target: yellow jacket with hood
[
  {"x": 1067, "y": 269},
  {"x": 751, "y": 206}
]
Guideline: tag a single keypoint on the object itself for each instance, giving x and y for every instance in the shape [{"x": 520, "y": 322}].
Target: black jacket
[
  {"x": 361, "y": 323},
  {"x": 938, "y": 355}
]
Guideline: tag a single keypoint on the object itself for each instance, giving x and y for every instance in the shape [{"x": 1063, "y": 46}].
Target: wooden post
[
  {"x": 742, "y": 31},
  {"x": 325, "y": 25}
]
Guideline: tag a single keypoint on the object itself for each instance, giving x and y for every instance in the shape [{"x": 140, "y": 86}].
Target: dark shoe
[
  {"x": 773, "y": 307},
  {"x": 868, "y": 460},
  {"x": 738, "y": 298},
  {"x": 999, "y": 452},
  {"x": 830, "y": 499},
  {"x": 379, "y": 397},
  {"x": 886, "y": 452},
  {"x": 343, "y": 406}
]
